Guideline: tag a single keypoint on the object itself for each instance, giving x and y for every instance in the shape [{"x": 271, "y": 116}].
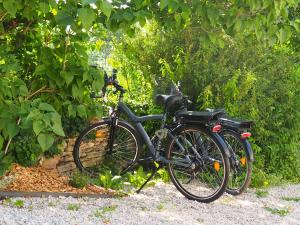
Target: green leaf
[
  {"x": 46, "y": 107},
  {"x": 23, "y": 90},
  {"x": 71, "y": 111},
  {"x": 87, "y": 2},
  {"x": 38, "y": 126},
  {"x": 12, "y": 129},
  {"x": 1, "y": 142},
  {"x": 87, "y": 17},
  {"x": 163, "y": 4},
  {"x": 63, "y": 19},
  {"x": 10, "y": 7},
  {"x": 81, "y": 111},
  {"x": 44, "y": 7},
  {"x": 106, "y": 8},
  {"x": 85, "y": 76},
  {"x": 45, "y": 141},
  {"x": 284, "y": 34},
  {"x": 57, "y": 129},
  {"x": 68, "y": 77},
  {"x": 34, "y": 114}
]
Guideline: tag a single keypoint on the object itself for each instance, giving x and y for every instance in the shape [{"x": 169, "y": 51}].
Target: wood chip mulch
[{"x": 38, "y": 179}]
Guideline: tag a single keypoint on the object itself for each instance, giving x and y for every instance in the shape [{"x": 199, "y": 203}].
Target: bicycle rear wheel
[
  {"x": 92, "y": 153},
  {"x": 206, "y": 177},
  {"x": 240, "y": 162}
]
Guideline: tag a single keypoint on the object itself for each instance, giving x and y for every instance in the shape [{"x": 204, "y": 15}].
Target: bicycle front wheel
[
  {"x": 205, "y": 176},
  {"x": 92, "y": 153}
]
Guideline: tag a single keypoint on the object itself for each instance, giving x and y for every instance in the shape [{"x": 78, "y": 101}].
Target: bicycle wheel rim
[
  {"x": 203, "y": 190},
  {"x": 123, "y": 155},
  {"x": 239, "y": 163}
]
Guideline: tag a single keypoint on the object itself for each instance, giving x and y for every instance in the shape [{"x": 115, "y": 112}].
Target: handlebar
[{"x": 112, "y": 80}]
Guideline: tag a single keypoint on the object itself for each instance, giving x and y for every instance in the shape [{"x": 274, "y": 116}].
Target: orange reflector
[
  {"x": 217, "y": 166},
  {"x": 245, "y": 135},
  {"x": 100, "y": 134},
  {"x": 217, "y": 128},
  {"x": 243, "y": 161}
]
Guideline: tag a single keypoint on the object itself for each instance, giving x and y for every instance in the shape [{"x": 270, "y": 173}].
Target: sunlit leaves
[
  {"x": 87, "y": 17},
  {"x": 10, "y": 6},
  {"x": 44, "y": 7},
  {"x": 63, "y": 19},
  {"x": 106, "y": 8}
]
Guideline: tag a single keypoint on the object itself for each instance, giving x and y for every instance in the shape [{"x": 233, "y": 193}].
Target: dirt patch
[{"x": 38, "y": 179}]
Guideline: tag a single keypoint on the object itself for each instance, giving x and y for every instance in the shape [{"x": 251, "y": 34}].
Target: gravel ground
[{"x": 161, "y": 204}]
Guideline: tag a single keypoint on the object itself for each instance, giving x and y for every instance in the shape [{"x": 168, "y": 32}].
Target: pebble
[{"x": 158, "y": 205}]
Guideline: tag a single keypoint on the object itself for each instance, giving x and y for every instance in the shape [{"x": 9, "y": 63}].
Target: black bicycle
[{"x": 196, "y": 156}]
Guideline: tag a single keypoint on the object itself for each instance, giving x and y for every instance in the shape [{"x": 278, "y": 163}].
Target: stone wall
[{"x": 91, "y": 153}]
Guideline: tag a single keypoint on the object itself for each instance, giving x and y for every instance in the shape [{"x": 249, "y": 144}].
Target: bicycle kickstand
[{"x": 149, "y": 178}]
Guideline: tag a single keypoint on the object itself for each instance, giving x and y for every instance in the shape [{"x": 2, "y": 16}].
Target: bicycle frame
[{"x": 137, "y": 122}]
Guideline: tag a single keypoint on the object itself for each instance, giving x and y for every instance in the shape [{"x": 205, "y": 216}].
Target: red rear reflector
[
  {"x": 217, "y": 128},
  {"x": 245, "y": 135}
]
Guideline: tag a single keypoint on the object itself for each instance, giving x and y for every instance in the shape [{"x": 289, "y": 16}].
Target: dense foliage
[
  {"x": 248, "y": 80},
  {"x": 215, "y": 48}
]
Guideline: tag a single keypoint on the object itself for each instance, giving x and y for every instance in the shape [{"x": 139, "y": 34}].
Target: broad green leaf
[
  {"x": 63, "y": 19},
  {"x": 284, "y": 34},
  {"x": 12, "y": 129},
  {"x": 163, "y": 4},
  {"x": 106, "y": 8},
  {"x": 34, "y": 114},
  {"x": 85, "y": 76},
  {"x": 10, "y": 7},
  {"x": 68, "y": 76},
  {"x": 57, "y": 129},
  {"x": 71, "y": 111},
  {"x": 128, "y": 16},
  {"x": 46, "y": 107},
  {"x": 23, "y": 90},
  {"x": 44, "y": 7},
  {"x": 45, "y": 141},
  {"x": 38, "y": 126},
  {"x": 75, "y": 90},
  {"x": 87, "y": 17},
  {"x": 81, "y": 111}
]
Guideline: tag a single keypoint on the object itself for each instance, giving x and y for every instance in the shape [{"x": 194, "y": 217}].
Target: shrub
[{"x": 79, "y": 179}]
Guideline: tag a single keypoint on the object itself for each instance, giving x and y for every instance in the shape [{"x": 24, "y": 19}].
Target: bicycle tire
[
  {"x": 243, "y": 145},
  {"x": 104, "y": 124},
  {"x": 216, "y": 140}
]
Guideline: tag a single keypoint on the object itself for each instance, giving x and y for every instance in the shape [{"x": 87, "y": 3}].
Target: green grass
[
  {"x": 160, "y": 206},
  {"x": 291, "y": 199},
  {"x": 277, "y": 211},
  {"x": 261, "y": 193},
  {"x": 73, "y": 207},
  {"x": 7, "y": 201},
  {"x": 18, "y": 203}
]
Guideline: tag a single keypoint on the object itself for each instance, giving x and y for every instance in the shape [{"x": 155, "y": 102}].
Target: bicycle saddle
[{"x": 168, "y": 100}]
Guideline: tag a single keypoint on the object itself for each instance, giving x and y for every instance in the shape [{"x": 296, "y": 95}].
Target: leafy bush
[
  {"x": 79, "y": 179},
  {"x": 26, "y": 150},
  {"x": 247, "y": 79}
]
